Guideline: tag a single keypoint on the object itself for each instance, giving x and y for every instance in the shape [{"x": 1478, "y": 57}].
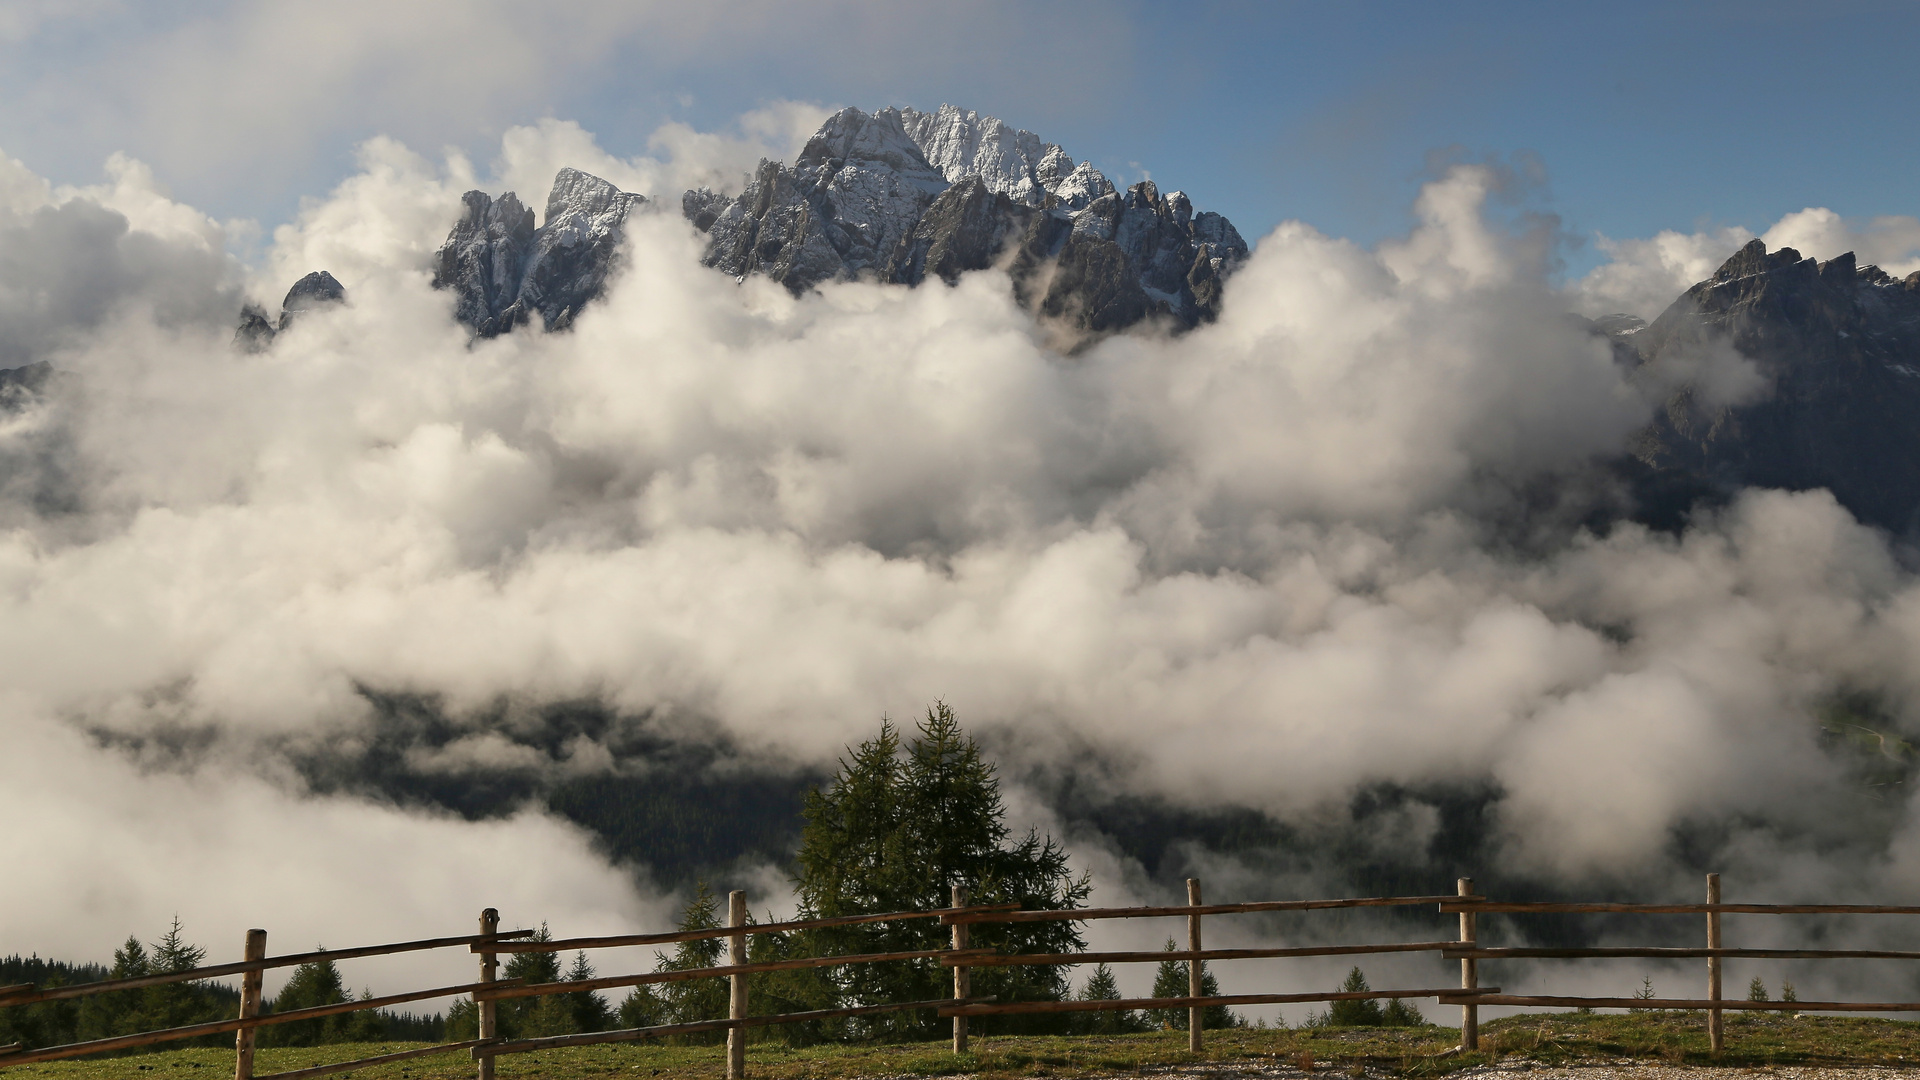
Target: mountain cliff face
[
  {"x": 311, "y": 293},
  {"x": 900, "y": 194},
  {"x": 1838, "y": 346},
  {"x": 503, "y": 269},
  {"x": 1009, "y": 162},
  {"x": 894, "y": 196}
]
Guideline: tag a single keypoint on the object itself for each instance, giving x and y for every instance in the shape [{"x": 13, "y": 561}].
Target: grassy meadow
[{"x": 1673, "y": 1038}]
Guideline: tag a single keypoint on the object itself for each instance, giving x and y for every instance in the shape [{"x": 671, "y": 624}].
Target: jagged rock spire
[
  {"x": 892, "y": 196},
  {"x": 900, "y": 194},
  {"x": 502, "y": 269},
  {"x": 314, "y": 292}
]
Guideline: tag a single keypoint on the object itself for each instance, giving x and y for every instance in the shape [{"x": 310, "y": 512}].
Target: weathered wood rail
[
  {"x": 1714, "y": 1004},
  {"x": 490, "y": 942}
]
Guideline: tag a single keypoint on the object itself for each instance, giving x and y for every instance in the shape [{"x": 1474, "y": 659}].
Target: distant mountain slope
[{"x": 1838, "y": 346}]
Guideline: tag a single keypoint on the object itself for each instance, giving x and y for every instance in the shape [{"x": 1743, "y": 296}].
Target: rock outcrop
[
  {"x": 895, "y": 196},
  {"x": 23, "y": 385},
  {"x": 503, "y": 269},
  {"x": 314, "y": 292},
  {"x": 1014, "y": 163},
  {"x": 899, "y": 195},
  {"x": 1837, "y": 352}
]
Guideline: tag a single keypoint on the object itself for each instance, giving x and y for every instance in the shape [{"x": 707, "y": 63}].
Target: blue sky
[{"x": 1640, "y": 116}]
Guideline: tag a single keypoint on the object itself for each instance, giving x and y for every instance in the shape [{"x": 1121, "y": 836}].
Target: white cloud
[
  {"x": 1643, "y": 276},
  {"x": 683, "y": 157},
  {"x": 125, "y": 849},
  {"x": 1891, "y": 242}
]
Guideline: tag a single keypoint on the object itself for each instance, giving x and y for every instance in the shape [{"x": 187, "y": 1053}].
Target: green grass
[{"x": 1677, "y": 1038}]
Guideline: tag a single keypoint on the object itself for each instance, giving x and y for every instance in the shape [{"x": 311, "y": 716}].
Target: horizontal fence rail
[
  {"x": 25, "y": 994},
  {"x": 221, "y": 1027},
  {"x": 1150, "y": 956},
  {"x": 1659, "y": 953},
  {"x": 651, "y": 977},
  {"x": 1202, "y": 1001},
  {"x": 521, "y": 1046},
  {"x": 1451, "y": 904},
  {"x": 1084, "y": 914},
  {"x": 677, "y": 936},
  {"x": 1688, "y": 1004}
]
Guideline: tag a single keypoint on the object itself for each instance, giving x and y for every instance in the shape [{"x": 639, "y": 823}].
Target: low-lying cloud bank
[{"x": 1269, "y": 564}]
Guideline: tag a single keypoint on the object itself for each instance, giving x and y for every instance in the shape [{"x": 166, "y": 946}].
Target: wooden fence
[{"x": 490, "y": 942}]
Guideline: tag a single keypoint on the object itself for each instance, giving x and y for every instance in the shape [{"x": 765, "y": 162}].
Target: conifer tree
[
  {"x": 365, "y": 1026},
  {"x": 796, "y": 990},
  {"x": 1102, "y": 986},
  {"x": 585, "y": 1010},
  {"x": 1361, "y": 1012},
  {"x": 523, "y": 1018},
  {"x": 641, "y": 1008},
  {"x": 118, "y": 1013},
  {"x": 463, "y": 1020},
  {"x": 129, "y": 960},
  {"x": 695, "y": 999},
  {"x": 312, "y": 984},
  {"x": 1170, "y": 981},
  {"x": 894, "y": 830},
  {"x": 1399, "y": 1013},
  {"x": 173, "y": 1004}
]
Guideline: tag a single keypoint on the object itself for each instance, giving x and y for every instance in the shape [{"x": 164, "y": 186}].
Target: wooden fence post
[
  {"x": 1469, "y": 975},
  {"x": 489, "y": 969},
  {"x": 1195, "y": 971},
  {"x": 737, "y": 1000},
  {"x": 962, "y": 975},
  {"x": 249, "y": 1005},
  {"x": 1716, "y": 1031}
]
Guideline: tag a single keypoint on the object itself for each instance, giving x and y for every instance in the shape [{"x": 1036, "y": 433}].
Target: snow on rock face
[
  {"x": 1013, "y": 162},
  {"x": 317, "y": 291},
  {"x": 899, "y": 195},
  {"x": 876, "y": 179},
  {"x": 503, "y": 269}
]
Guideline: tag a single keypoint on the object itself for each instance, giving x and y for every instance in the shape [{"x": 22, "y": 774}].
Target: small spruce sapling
[
  {"x": 1102, "y": 986},
  {"x": 585, "y": 1010},
  {"x": 1399, "y": 1013},
  {"x": 1170, "y": 981},
  {"x": 520, "y": 1018},
  {"x": 1355, "y": 1012}
]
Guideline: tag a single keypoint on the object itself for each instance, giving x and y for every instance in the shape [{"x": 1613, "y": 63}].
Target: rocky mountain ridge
[
  {"x": 898, "y": 195},
  {"x": 894, "y": 196},
  {"x": 503, "y": 269},
  {"x": 317, "y": 290},
  {"x": 1011, "y": 162},
  {"x": 1838, "y": 348}
]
